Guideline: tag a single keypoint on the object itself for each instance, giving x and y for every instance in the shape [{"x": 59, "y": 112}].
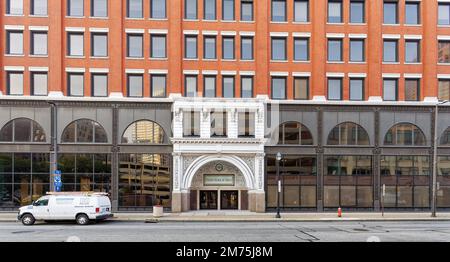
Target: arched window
[
  {"x": 348, "y": 133},
  {"x": 294, "y": 133},
  {"x": 404, "y": 134},
  {"x": 445, "y": 137},
  {"x": 84, "y": 131},
  {"x": 22, "y": 130},
  {"x": 143, "y": 132}
]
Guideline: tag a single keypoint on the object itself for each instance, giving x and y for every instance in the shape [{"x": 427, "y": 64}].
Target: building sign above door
[{"x": 218, "y": 180}]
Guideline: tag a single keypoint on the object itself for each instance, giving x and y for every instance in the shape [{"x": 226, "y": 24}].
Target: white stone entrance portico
[{"x": 240, "y": 159}]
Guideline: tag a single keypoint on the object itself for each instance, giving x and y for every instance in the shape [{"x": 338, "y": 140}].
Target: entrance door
[
  {"x": 229, "y": 200},
  {"x": 208, "y": 199}
]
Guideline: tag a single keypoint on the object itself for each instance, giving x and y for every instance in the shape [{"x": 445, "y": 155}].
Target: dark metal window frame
[
  {"x": 128, "y": 11},
  {"x": 363, "y": 49},
  {"x": 223, "y": 47},
  {"x": 185, "y": 10},
  {"x": 342, "y": 11},
  {"x": 152, "y": 4},
  {"x": 396, "y": 88},
  {"x": 285, "y": 87},
  {"x": 341, "y": 80},
  {"x": 204, "y": 84},
  {"x": 419, "y": 17},
  {"x": 8, "y": 41},
  {"x": 307, "y": 11},
  {"x": 417, "y": 80},
  {"x": 32, "y": 8},
  {"x": 32, "y": 87},
  {"x": 248, "y": 124},
  {"x": 396, "y": 11},
  {"x": 419, "y": 54},
  {"x": 93, "y": 43},
  {"x": 186, "y": 46},
  {"x": 32, "y": 41},
  {"x": 307, "y": 48},
  {"x": 165, "y": 85},
  {"x": 93, "y": 86},
  {"x": 271, "y": 47},
  {"x": 93, "y": 9},
  {"x": 341, "y": 49},
  {"x": 69, "y": 9},
  {"x": 223, "y": 10},
  {"x": 234, "y": 85},
  {"x": 363, "y": 14},
  {"x": 448, "y": 9},
  {"x": 185, "y": 84},
  {"x": 69, "y": 85},
  {"x": 204, "y": 46},
  {"x": 69, "y": 46},
  {"x": 128, "y": 84},
  {"x": 8, "y": 82},
  {"x": 128, "y": 44},
  {"x": 363, "y": 94},
  {"x": 285, "y": 11},
  {"x": 151, "y": 45},
  {"x": 242, "y": 85},
  {"x": 396, "y": 50},
  {"x": 248, "y": 2},
  {"x": 307, "y": 78},
  {"x": 253, "y": 47}
]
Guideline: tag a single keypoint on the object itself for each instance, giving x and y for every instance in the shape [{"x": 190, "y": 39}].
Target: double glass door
[{"x": 210, "y": 199}]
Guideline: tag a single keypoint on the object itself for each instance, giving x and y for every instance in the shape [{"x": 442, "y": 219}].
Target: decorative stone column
[{"x": 176, "y": 187}]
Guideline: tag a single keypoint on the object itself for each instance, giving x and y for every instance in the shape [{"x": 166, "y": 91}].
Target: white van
[{"x": 79, "y": 206}]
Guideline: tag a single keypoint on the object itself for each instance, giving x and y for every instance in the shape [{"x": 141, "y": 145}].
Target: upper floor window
[
  {"x": 135, "y": 83},
  {"x": 135, "y": 45},
  {"x": 191, "y": 123},
  {"x": 75, "y": 44},
  {"x": 14, "y": 81},
  {"x": 209, "y": 47},
  {"x": 190, "y": 9},
  {"x": 209, "y": 9},
  {"x": 143, "y": 132},
  {"x": 135, "y": 9},
  {"x": 390, "y": 12},
  {"x": 278, "y": 87},
  {"x": 99, "y": 44},
  {"x": 334, "y": 11},
  {"x": 294, "y": 133},
  {"x": 412, "y": 51},
  {"x": 190, "y": 49},
  {"x": 246, "y": 124},
  {"x": 246, "y": 86},
  {"x": 75, "y": 84},
  {"x": 158, "y": 46},
  {"x": 14, "y": 42},
  {"x": 219, "y": 122},
  {"x": 158, "y": 9},
  {"x": 301, "y": 88},
  {"x": 356, "y": 89},
  {"x": 75, "y": 7},
  {"x": 301, "y": 49},
  {"x": 348, "y": 134},
  {"x": 99, "y": 84},
  {"x": 247, "y": 48},
  {"x": 39, "y": 83},
  {"x": 209, "y": 86},
  {"x": 412, "y": 89},
  {"x": 228, "y": 86},
  {"x": 228, "y": 10},
  {"x": 191, "y": 88},
  {"x": 334, "y": 50},
  {"x": 444, "y": 51},
  {"x": 444, "y": 89},
  {"x": 301, "y": 11},
  {"x": 39, "y": 43},
  {"x": 405, "y": 134},
  {"x": 412, "y": 13},
  {"x": 390, "y": 51},
  {"x": 99, "y": 8},
  {"x": 357, "y": 11},
  {"x": 445, "y": 138},
  {"x": 279, "y": 48},
  {"x": 84, "y": 131},
  {"x": 158, "y": 85},
  {"x": 334, "y": 88},
  {"x": 246, "y": 10},
  {"x": 444, "y": 14},
  {"x": 39, "y": 7},
  {"x": 390, "y": 89},
  {"x": 357, "y": 50},
  {"x": 22, "y": 130},
  {"x": 228, "y": 48},
  {"x": 14, "y": 7},
  {"x": 279, "y": 11}
]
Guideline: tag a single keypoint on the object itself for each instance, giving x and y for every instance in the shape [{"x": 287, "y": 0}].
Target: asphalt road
[{"x": 112, "y": 231}]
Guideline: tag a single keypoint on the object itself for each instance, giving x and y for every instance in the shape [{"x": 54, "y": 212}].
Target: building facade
[{"x": 185, "y": 103}]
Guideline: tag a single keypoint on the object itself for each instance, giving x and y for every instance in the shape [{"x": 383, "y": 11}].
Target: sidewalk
[{"x": 245, "y": 216}]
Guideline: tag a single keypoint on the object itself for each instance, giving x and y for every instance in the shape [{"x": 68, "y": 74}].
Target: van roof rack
[{"x": 84, "y": 193}]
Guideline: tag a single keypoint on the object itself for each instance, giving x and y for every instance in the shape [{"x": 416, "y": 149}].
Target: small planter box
[{"x": 158, "y": 211}]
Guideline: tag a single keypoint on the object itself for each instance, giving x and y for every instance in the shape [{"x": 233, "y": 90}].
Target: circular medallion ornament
[{"x": 219, "y": 167}]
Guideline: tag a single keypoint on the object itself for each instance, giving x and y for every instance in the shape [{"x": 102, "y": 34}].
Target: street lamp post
[
  {"x": 435, "y": 146},
  {"x": 54, "y": 161},
  {"x": 278, "y": 159}
]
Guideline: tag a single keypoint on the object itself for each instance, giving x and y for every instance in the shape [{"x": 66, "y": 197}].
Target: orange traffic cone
[{"x": 339, "y": 212}]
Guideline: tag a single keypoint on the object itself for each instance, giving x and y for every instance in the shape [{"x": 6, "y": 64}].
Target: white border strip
[
  {"x": 99, "y": 70},
  {"x": 247, "y": 33},
  {"x": 301, "y": 34},
  {"x": 412, "y": 75},
  {"x": 279, "y": 73},
  {"x": 14, "y": 68},
  {"x": 247, "y": 73},
  {"x": 357, "y": 35},
  {"x": 301, "y": 74},
  {"x": 334, "y": 35},
  {"x": 98, "y": 30},
  {"x": 443, "y": 37},
  {"x": 190, "y": 32},
  {"x": 390, "y": 75},
  {"x": 210, "y": 72},
  {"x": 75, "y": 70},
  {"x": 391, "y": 36},
  {"x": 230, "y": 33},
  {"x": 134, "y": 71},
  {"x": 418, "y": 37},
  {"x": 158, "y": 71},
  {"x": 279, "y": 34},
  {"x": 75, "y": 29},
  {"x": 134, "y": 31},
  {"x": 228, "y": 73},
  {"x": 207, "y": 32},
  {"x": 38, "y": 28},
  {"x": 335, "y": 74},
  {"x": 357, "y": 75},
  {"x": 443, "y": 76},
  {"x": 158, "y": 31},
  {"x": 191, "y": 72},
  {"x": 37, "y": 69},
  {"x": 14, "y": 27}
]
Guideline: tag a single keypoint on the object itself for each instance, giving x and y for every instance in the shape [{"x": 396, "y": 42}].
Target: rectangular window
[
  {"x": 247, "y": 48},
  {"x": 278, "y": 87},
  {"x": 444, "y": 14},
  {"x": 190, "y": 51},
  {"x": 99, "y": 44},
  {"x": 228, "y": 86},
  {"x": 334, "y": 88},
  {"x": 390, "y": 92},
  {"x": 75, "y": 84},
  {"x": 209, "y": 10},
  {"x": 209, "y": 85},
  {"x": 334, "y": 11},
  {"x": 412, "y": 51},
  {"x": 357, "y": 89},
  {"x": 14, "y": 7},
  {"x": 76, "y": 44},
  {"x": 218, "y": 124},
  {"x": 390, "y": 51},
  {"x": 75, "y": 8},
  {"x": 334, "y": 50},
  {"x": 444, "y": 52},
  {"x": 246, "y": 124},
  {"x": 191, "y": 124},
  {"x": 14, "y": 42},
  {"x": 39, "y": 44},
  {"x": 135, "y": 43},
  {"x": 190, "y": 86},
  {"x": 209, "y": 46},
  {"x": 246, "y": 10},
  {"x": 135, "y": 9},
  {"x": 357, "y": 50},
  {"x": 246, "y": 86},
  {"x": 99, "y": 85},
  {"x": 301, "y": 11},
  {"x": 444, "y": 89},
  {"x": 301, "y": 49},
  {"x": 412, "y": 89},
  {"x": 190, "y": 9},
  {"x": 158, "y": 9},
  {"x": 279, "y": 11},
  {"x": 158, "y": 46},
  {"x": 39, "y": 7},
  {"x": 412, "y": 13},
  {"x": 357, "y": 11},
  {"x": 135, "y": 85},
  {"x": 301, "y": 88},
  {"x": 228, "y": 10},
  {"x": 99, "y": 8},
  {"x": 15, "y": 83},
  {"x": 279, "y": 48},
  {"x": 228, "y": 48},
  {"x": 390, "y": 12},
  {"x": 39, "y": 83},
  {"x": 158, "y": 85}
]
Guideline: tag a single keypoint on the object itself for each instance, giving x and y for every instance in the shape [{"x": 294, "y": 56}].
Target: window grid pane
[
  {"x": 301, "y": 9},
  {"x": 99, "y": 8},
  {"x": 278, "y": 10},
  {"x": 76, "y": 84},
  {"x": 15, "y": 42},
  {"x": 135, "y": 85},
  {"x": 76, "y": 44},
  {"x": 412, "y": 90},
  {"x": 279, "y": 88},
  {"x": 334, "y": 89},
  {"x": 301, "y": 86},
  {"x": 158, "y": 43},
  {"x": 100, "y": 45},
  {"x": 357, "y": 89},
  {"x": 158, "y": 9},
  {"x": 135, "y": 46},
  {"x": 15, "y": 83},
  {"x": 39, "y": 84},
  {"x": 158, "y": 83},
  {"x": 39, "y": 7},
  {"x": 75, "y": 8},
  {"x": 100, "y": 85},
  {"x": 246, "y": 87}
]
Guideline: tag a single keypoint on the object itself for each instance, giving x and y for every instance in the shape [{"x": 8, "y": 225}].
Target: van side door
[{"x": 41, "y": 209}]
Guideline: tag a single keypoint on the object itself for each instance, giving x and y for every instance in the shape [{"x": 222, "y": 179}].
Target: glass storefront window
[
  {"x": 84, "y": 131},
  {"x": 405, "y": 135},
  {"x": 143, "y": 132},
  {"x": 22, "y": 130},
  {"x": 348, "y": 134},
  {"x": 294, "y": 133}
]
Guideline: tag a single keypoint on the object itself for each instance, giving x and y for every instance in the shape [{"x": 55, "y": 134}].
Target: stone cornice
[{"x": 217, "y": 141}]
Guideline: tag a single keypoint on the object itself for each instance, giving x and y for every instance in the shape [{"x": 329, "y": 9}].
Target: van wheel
[
  {"x": 28, "y": 220},
  {"x": 82, "y": 219}
]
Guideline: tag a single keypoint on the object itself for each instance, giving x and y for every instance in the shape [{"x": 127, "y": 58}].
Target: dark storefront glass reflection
[
  {"x": 22, "y": 130},
  {"x": 144, "y": 180},
  {"x": 443, "y": 193}
]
